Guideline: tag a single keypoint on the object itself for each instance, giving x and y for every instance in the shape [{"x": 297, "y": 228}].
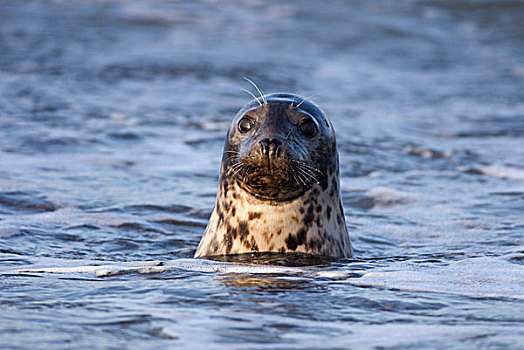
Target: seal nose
[{"x": 271, "y": 147}]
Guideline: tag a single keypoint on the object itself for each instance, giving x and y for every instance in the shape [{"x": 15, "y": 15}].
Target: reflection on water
[
  {"x": 254, "y": 284},
  {"x": 112, "y": 122},
  {"x": 276, "y": 259}
]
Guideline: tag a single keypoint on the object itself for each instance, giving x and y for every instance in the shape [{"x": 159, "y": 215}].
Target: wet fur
[{"x": 280, "y": 199}]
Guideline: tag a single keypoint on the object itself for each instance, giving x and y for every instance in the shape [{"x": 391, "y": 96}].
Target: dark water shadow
[{"x": 276, "y": 259}]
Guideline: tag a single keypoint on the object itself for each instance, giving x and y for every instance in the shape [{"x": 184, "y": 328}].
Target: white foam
[
  {"x": 105, "y": 269},
  {"x": 386, "y": 197},
  {"x": 222, "y": 267},
  {"x": 501, "y": 172},
  {"x": 475, "y": 277}
]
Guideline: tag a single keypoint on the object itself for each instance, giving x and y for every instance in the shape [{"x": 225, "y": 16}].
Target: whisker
[
  {"x": 231, "y": 157},
  {"x": 235, "y": 172},
  {"x": 305, "y": 174},
  {"x": 305, "y": 165},
  {"x": 235, "y": 165},
  {"x": 245, "y": 174},
  {"x": 308, "y": 171},
  {"x": 256, "y": 98},
  {"x": 304, "y": 100},
  {"x": 259, "y": 90},
  {"x": 294, "y": 176},
  {"x": 299, "y": 177},
  {"x": 293, "y": 101}
]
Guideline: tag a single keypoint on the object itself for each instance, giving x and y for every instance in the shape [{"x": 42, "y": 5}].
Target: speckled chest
[{"x": 312, "y": 223}]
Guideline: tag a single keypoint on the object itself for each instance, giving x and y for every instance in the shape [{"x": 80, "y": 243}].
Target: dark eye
[
  {"x": 245, "y": 124},
  {"x": 308, "y": 128}
]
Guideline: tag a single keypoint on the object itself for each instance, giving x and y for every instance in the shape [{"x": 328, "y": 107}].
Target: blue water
[{"x": 112, "y": 121}]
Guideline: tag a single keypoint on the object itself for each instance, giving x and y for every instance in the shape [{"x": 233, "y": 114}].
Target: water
[{"x": 112, "y": 120}]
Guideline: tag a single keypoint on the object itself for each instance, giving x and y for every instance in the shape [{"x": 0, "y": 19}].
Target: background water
[{"x": 112, "y": 121}]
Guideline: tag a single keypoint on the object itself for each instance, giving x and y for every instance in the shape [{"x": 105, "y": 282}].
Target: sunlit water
[{"x": 112, "y": 121}]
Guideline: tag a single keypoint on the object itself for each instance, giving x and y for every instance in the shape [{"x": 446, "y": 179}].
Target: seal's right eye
[
  {"x": 308, "y": 128},
  {"x": 245, "y": 124}
]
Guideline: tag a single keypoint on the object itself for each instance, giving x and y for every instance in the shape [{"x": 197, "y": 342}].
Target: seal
[{"x": 279, "y": 186}]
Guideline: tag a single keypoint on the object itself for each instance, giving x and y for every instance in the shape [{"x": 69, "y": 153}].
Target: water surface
[{"x": 112, "y": 121}]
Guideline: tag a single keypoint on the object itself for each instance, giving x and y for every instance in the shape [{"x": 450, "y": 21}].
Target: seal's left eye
[
  {"x": 308, "y": 128},
  {"x": 245, "y": 124}
]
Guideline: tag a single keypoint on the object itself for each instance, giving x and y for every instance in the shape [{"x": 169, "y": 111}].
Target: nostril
[
  {"x": 271, "y": 147},
  {"x": 276, "y": 142},
  {"x": 278, "y": 151},
  {"x": 264, "y": 144},
  {"x": 274, "y": 146}
]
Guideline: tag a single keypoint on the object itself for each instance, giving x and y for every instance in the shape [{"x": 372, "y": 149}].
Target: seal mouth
[{"x": 274, "y": 179}]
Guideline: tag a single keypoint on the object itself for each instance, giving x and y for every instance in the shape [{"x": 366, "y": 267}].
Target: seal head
[{"x": 279, "y": 188}]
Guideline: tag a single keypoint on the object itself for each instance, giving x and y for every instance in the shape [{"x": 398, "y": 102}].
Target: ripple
[
  {"x": 25, "y": 202},
  {"x": 498, "y": 171},
  {"x": 426, "y": 152}
]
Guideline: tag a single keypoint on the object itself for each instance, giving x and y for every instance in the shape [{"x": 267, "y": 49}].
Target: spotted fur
[{"x": 281, "y": 195}]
